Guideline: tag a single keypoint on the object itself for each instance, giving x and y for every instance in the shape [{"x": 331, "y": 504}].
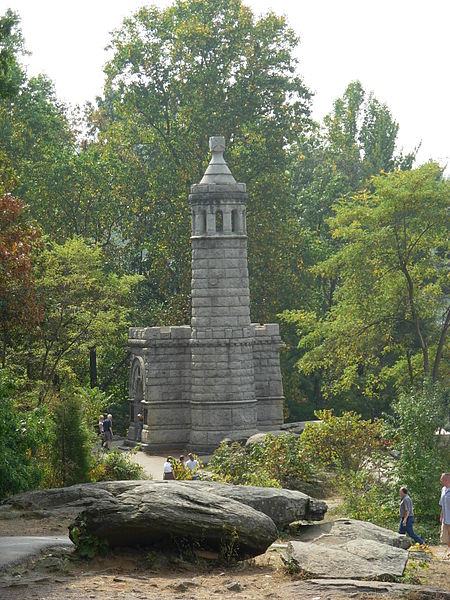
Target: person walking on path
[
  {"x": 407, "y": 516},
  {"x": 108, "y": 432},
  {"x": 445, "y": 511},
  {"x": 168, "y": 474},
  {"x": 140, "y": 427}
]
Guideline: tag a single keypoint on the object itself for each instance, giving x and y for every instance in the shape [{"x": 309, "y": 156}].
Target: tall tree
[
  {"x": 18, "y": 306},
  {"x": 389, "y": 323},
  {"x": 177, "y": 76}
]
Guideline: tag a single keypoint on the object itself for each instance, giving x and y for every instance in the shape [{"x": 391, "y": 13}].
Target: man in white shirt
[
  {"x": 445, "y": 510},
  {"x": 192, "y": 464},
  {"x": 168, "y": 470}
]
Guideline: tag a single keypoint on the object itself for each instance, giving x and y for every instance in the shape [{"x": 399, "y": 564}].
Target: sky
[{"x": 399, "y": 49}]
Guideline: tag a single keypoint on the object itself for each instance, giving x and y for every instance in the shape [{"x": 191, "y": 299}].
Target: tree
[
  {"x": 391, "y": 315},
  {"x": 11, "y": 47},
  {"x": 177, "y": 76},
  {"x": 19, "y": 310},
  {"x": 356, "y": 141},
  {"x": 71, "y": 448},
  {"x": 82, "y": 307}
]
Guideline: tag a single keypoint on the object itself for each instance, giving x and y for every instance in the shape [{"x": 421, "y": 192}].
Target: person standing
[
  {"x": 140, "y": 427},
  {"x": 445, "y": 511},
  {"x": 108, "y": 432},
  {"x": 192, "y": 464},
  {"x": 100, "y": 430},
  {"x": 407, "y": 516},
  {"x": 168, "y": 474}
]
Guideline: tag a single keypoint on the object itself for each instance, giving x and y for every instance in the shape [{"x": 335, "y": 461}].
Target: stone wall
[
  {"x": 167, "y": 358},
  {"x": 268, "y": 382}
]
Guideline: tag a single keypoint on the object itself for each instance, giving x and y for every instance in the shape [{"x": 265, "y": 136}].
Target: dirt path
[{"x": 153, "y": 465}]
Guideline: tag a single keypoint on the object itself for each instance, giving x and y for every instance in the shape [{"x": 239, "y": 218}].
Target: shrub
[
  {"x": 344, "y": 443},
  {"x": 273, "y": 462},
  {"x": 115, "y": 466},
  {"x": 183, "y": 473},
  {"x": 233, "y": 464},
  {"x": 22, "y": 435}
]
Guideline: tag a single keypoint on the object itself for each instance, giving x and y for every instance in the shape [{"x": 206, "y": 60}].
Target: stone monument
[{"x": 219, "y": 377}]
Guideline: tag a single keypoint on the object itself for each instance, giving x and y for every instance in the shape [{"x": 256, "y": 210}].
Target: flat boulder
[
  {"x": 355, "y": 559},
  {"x": 342, "y": 530},
  {"x": 170, "y": 514},
  {"x": 282, "y": 506}
]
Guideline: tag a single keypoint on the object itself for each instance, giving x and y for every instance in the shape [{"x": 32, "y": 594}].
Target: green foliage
[
  {"x": 115, "y": 466},
  {"x": 83, "y": 307},
  {"x": 417, "y": 417},
  {"x": 273, "y": 462},
  {"x": 71, "y": 448},
  {"x": 88, "y": 546},
  {"x": 182, "y": 472},
  {"x": 387, "y": 327},
  {"x": 369, "y": 497},
  {"x": 344, "y": 443},
  {"x": 22, "y": 436}
]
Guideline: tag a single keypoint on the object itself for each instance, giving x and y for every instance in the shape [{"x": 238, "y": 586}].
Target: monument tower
[{"x": 221, "y": 376}]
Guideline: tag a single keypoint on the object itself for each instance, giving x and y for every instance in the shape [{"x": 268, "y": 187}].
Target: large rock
[
  {"x": 167, "y": 514},
  {"x": 297, "y": 426},
  {"x": 258, "y": 438},
  {"x": 355, "y": 559},
  {"x": 342, "y": 530},
  {"x": 282, "y": 506},
  {"x": 354, "y": 588}
]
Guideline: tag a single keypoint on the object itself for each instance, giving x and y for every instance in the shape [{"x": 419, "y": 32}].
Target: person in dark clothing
[
  {"x": 407, "y": 516},
  {"x": 108, "y": 432}
]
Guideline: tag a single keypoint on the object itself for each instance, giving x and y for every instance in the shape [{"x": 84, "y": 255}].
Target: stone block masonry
[{"x": 221, "y": 375}]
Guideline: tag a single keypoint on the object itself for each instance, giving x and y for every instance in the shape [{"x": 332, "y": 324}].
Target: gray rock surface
[
  {"x": 14, "y": 549},
  {"x": 341, "y": 530},
  {"x": 352, "y": 588},
  {"x": 282, "y": 506},
  {"x": 297, "y": 426},
  {"x": 168, "y": 513},
  {"x": 257, "y": 438},
  {"x": 355, "y": 559}
]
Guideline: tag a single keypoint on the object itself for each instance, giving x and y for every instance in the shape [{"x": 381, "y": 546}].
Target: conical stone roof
[{"x": 218, "y": 171}]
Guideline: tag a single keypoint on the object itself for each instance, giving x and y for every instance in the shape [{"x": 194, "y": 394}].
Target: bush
[
  {"x": 22, "y": 436},
  {"x": 343, "y": 443},
  {"x": 115, "y": 466},
  {"x": 273, "y": 462},
  {"x": 233, "y": 464},
  {"x": 182, "y": 472}
]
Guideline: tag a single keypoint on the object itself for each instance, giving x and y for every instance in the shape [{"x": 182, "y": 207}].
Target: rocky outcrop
[
  {"x": 354, "y": 588},
  {"x": 168, "y": 513},
  {"x": 282, "y": 506},
  {"x": 342, "y": 530},
  {"x": 355, "y": 559}
]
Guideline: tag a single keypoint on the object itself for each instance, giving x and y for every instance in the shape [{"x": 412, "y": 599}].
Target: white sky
[{"x": 397, "y": 48}]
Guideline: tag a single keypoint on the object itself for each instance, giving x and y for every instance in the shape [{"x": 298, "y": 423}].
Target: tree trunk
[
  {"x": 93, "y": 366},
  {"x": 440, "y": 347}
]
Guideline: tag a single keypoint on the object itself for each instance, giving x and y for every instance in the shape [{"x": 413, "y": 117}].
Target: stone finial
[
  {"x": 218, "y": 171},
  {"x": 217, "y": 144}
]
